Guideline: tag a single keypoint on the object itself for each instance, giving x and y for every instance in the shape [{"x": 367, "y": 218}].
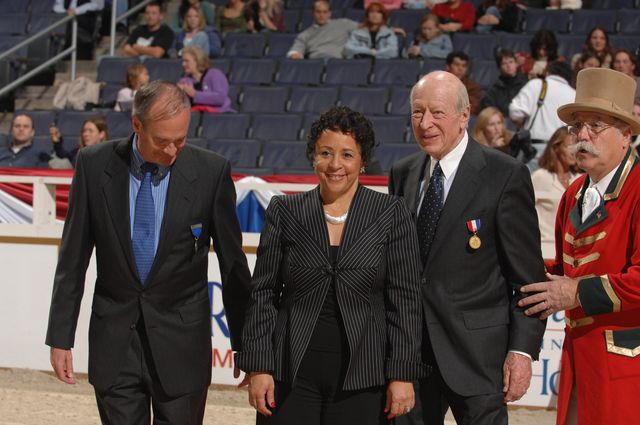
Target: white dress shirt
[{"x": 90, "y": 6}]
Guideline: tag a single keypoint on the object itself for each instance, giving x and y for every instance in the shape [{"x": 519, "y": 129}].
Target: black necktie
[{"x": 430, "y": 211}]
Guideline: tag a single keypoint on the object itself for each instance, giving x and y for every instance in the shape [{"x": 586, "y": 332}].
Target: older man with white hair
[{"x": 596, "y": 276}]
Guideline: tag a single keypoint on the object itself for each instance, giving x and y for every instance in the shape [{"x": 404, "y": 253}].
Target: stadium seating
[
  {"x": 354, "y": 72},
  {"x": 292, "y": 71},
  {"x": 584, "y": 20},
  {"x": 389, "y": 129},
  {"x": 276, "y": 126},
  {"x": 484, "y": 72},
  {"x": 286, "y": 157},
  {"x": 476, "y": 46},
  {"x": 244, "y": 45},
  {"x": 42, "y": 120},
  {"x": 408, "y": 19},
  {"x": 368, "y": 100},
  {"x": 70, "y": 122},
  {"x": 311, "y": 99},
  {"x": 252, "y": 71},
  {"x": 119, "y": 124},
  {"x": 263, "y": 99},
  {"x": 629, "y": 21},
  {"x": 225, "y": 126},
  {"x": 113, "y": 69},
  {"x": 389, "y": 153},
  {"x": 240, "y": 152},
  {"x": 395, "y": 72},
  {"x": 399, "y": 101},
  {"x": 164, "y": 69},
  {"x": 13, "y": 23},
  {"x": 553, "y": 20},
  {"x": 279, "y": 44}
]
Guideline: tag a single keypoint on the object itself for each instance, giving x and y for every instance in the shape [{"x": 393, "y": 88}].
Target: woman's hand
[
  {"x": 414, "y": 50},
  {"x": 261, "y": 392},
  {"x": 400, "y": 399},
  {"x": 54, "y": 133},
  {"x": 187, "y": 89}
]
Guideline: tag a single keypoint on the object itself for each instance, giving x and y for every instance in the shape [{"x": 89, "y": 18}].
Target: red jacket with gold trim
[{"x": 601, "y": 352}]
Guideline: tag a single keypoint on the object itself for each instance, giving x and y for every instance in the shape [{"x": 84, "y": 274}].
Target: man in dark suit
[
  {"x": 150, "y": 205},
  {"x": 480, "y": 243}
]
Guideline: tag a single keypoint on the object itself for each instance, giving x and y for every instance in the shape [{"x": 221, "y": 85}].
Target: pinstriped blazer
[{"x": 377, "y": 288}]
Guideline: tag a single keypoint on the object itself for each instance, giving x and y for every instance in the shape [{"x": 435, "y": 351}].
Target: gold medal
[{"x": 475, "y": 242}]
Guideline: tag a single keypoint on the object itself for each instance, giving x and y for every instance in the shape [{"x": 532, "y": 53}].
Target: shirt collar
[
  {"x": 137, "y": 161},
  {"x": 604, "y": 182},
  {"x": 449, "y": 163}
]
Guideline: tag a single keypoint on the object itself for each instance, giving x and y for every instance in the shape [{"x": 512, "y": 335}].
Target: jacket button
[{"x": 132, "y": 327}]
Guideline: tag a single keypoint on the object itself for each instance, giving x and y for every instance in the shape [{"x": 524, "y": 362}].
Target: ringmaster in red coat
[{"x": 596, "y": 276}]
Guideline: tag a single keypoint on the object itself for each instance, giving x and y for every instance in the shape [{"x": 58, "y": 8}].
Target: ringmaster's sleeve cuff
[
  {"x": 402, "y": 370},
  {"x": 597, "y": 296},
  {"x": 254, "y": 361}
]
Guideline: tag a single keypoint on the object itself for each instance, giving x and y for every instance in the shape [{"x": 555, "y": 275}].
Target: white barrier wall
[{"x": 27, "y": 271}]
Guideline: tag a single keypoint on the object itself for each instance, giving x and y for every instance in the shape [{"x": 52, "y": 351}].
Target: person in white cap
[{"x": 596, "y": 275}]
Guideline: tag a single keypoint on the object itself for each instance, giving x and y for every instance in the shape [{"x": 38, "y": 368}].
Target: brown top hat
[{"x": 603, "y": 91}]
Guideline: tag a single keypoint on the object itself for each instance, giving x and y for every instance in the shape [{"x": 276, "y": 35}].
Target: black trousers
[
  {"x": 317, "y": 398},
  {"x": 137, "y": 389}
]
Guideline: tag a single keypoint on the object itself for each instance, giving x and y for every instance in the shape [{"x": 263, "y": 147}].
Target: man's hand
[
  {"x": 261, "y": 392},
  {"x": 561, "y": 293},
  {"x": 62, "y": 362},
  {"x": 516, "y": 376},
  {"x": 296, "y": 55}
]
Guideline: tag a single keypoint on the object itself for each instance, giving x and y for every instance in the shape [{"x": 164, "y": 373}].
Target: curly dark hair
[
  {"x": 546, "y": 39},
  {"x": 346, "y": 121}
]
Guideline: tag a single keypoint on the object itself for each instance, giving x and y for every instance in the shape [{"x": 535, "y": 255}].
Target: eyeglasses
[{"x": 593, "y": 128}]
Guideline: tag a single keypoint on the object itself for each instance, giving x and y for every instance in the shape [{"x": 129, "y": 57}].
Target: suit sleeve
[
  {"x": 75, "y": 252},
  {"x": 615, "y": 292},
  {"x": 403, "y": 300},
  {"x": 227, "y": 241},
  {"x": 258, "y": 353},
  {"x": 519, "y": 248}
]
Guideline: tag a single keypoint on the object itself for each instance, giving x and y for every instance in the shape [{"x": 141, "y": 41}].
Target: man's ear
[{"x": 136, "y": 124}]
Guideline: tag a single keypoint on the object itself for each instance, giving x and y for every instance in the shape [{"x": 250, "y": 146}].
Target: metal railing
[
  {"x": 115, "y": 20},
  {"x": 71, "y": 50}
]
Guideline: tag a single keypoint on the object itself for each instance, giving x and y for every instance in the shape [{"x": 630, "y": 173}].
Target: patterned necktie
[
  {"x": 144, "y": 225},
  {"x": 430, "y": 211},
  {"x": 590, "y": 202}
]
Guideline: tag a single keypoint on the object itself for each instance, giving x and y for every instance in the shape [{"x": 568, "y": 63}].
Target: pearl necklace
[{"x": 336, "y": 220}]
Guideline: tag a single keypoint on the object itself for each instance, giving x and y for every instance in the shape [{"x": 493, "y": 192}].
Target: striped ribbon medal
[{"x": 474, "y": 227}]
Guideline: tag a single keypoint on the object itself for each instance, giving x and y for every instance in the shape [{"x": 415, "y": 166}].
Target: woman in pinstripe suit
[{"x": 333, "y": 326}]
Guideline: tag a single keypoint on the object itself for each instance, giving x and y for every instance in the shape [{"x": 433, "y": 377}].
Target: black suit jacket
[
  {"x": 174, "y": 301},
  {"x": 377, "y": 288},
  {"x": 470, "y": 296}
]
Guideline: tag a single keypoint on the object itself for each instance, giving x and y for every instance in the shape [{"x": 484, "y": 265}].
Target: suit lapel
[
  {"x": 462, "y": 191},
  {"x": 180, "y": 196},
  {"x": 353, "y": 224},
  {"x": 115, "y": 189},
  {"x": 415, "y": 175}
]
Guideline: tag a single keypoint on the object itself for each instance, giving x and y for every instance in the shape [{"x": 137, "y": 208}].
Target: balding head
[{"x": 439, "y": 112}]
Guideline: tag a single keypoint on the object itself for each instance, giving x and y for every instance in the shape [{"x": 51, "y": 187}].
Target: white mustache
[{"x": 586, "y": 146}]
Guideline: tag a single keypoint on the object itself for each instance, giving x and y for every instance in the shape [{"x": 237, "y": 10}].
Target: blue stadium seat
[
  {"x": 291, "y": 19},
  {"x": 477, "y": 46},
  {"x": 164, "y": 69},
  {"x": 367, "y": 100},
  {"x": 286, "y": 157},
  {"x": 194, "y": 124},
  {"x": 113, "y": 69},
  {"x": 429, "y": 65},
  {"x": 612, "y": 4},
  {"x": 485, "y": 72},
  {"x": 275, "y": 126},
  {"x": 13, "y": 23},
  {"x": 354, "y": 14},
  {"x": 199, "y": 142},
  {"x": 515, "y": 42},
  {"x": 408, "y": 19},
  {"x": 225, "y": 126},
  {"x": 41, "y": 120},
  {"x": 234, "y": 95},
  {"x": 389, "y": 129},
  {"x": 239, "y": 152},
  {"x": 223, "y": 64},
  {"x": 399, "y": 101},
  {"x": 252, "y": 71},
  {"x": 70, "y": 122},
  {"x": 263, "y": 99},
  {"x": 569, "y": 44},
  {"x": 119, "y": 124},
  {"x": 395, "y": 72},
  {"x": 305, "y": 20},
  {"x": 40, "y": 21},
  {"x": 16, "y": 6},
  {"x": 279, "y": 44},
  {"x": 342, "y": 4},
  {"x": 307, "y": 120},
  {"x": 629, "y": 42},
  {"x": 353, "y": 72},
  {"x": 109, "y": 95},
  {"x": 538, "y": 19},
  {"x": 244, "y": 45},
  {"x": 299, "y": 4},
  {"x": 43, "y": 143},
  {"x": 292, "y": 71},
  {"x": 311, "y": 99},
  {"x": 584, "y": 20},
  {"x": 390, "y": 153},
  {"x": 629, "y": 21},
  {"x": 8, "y": 41},
  {"x": 37, "y": 6}
]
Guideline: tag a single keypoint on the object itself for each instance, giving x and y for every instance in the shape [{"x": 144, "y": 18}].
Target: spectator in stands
[
  {"x": 458, "y": 64},
  {"x": 137, "y": 76},
  {"x": 192, "y": 33},
  {"x": 86, "y": 13},
  {"x": 153, "y": 39},
  {"x": 491, "y": 130},
  {"x": 265, "y": 15},
  {"x": 508, "y": 84},
  {"x": 557, "y": 170},
  {"x": 624, "y": 61},
  {"x": 565, "y": 4},
  {"x": 388, "y": 4},
  {"x": 93, "y": 131},
  {"x": 373, "y": 39},
  {"x": 232, "y": 18},
  {"x": 325, "y": 38},
  {"x": 597, "y": 43},
  {"x": 20, "y": 153},
  {"x": 207, "y": 9},
  {"x": 543, "y": 49},
  {"x": 430, "y": 42},
  {"x": 498, "y": 15},
  {"x": 455, "y": 15},
  {"x": 534, "y": 107},
  {"x": 587, "y": 59},
  {"x": 207, "y": 88}
]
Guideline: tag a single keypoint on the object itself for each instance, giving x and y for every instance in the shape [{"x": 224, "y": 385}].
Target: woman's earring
[{"x": 362, "y": 169}]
